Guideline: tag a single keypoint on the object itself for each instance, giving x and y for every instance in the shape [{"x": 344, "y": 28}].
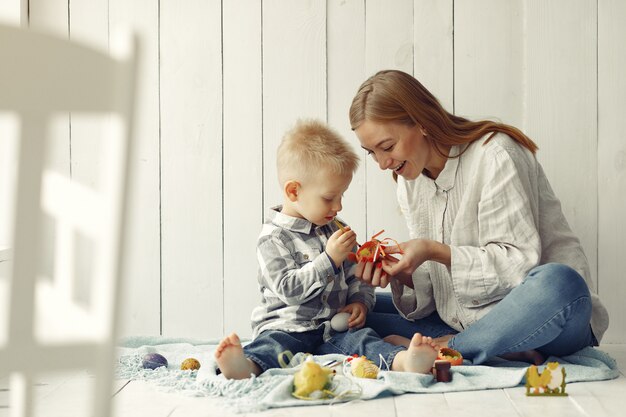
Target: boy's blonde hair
[{"x": 310, "y": 147}]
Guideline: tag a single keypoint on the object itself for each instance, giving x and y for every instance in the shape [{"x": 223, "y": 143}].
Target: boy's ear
[{"x": 291, "y": 190}]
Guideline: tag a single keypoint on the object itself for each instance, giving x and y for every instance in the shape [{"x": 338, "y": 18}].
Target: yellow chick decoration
[
  {"x": 362, "y": 367},
  {"x": 535, "y": 381},
  {"x": 556, "y": 382},
  {"x": 312, "y": 381},
  {"x": 550, "y": 382}
]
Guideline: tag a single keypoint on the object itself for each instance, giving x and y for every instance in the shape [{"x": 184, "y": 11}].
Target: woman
[{"x": 492, "y": 266}]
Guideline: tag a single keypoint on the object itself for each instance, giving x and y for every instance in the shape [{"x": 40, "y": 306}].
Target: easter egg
[
  {"x": 153, "y": 361},
  {"x": 190, "y": 364},
  {"x": 339, "y": 322}
]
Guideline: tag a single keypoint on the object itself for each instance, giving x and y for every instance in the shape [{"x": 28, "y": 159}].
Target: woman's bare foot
[
  {"x": 231, "y": 360},
  {"x": 419, "y": 356},
  {"x": 398, "y": 340},
  {"x": 530, "y": 356}
]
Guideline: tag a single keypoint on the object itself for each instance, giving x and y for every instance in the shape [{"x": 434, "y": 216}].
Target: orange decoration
[
  {"x": 373, "y": 250},
  {"x": 450, "y": 355}
]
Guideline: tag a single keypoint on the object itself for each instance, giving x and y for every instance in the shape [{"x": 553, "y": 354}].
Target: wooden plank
[
  {"x": 52, "y": 16},
  {"x": 58, "y": 394},
  {"x": 294, "y": 77},
  {"x": 63, "y": 394},
  {"x": 599, "y": 398},
  {"x": 612, "y": 165},
  {"x": 388, "y": 45},
  {"x": 469, "y": 403},
  {"x": 561, "y": 108},
  {"x": 346, "y": 63},
  {"x": 9, "y": 131},
  {"x": 11, "y": 12},
  {"x": 485, "y": 403},
  {"x": 141, "y": 282},
  {"x": 539, "y": 406},
  {"x": 88, "y": 25},
  {"x": 488, "y": 60},
  {"x": 243, "y": 171},
  {"x": 140, "y": 399},
  {"x": 49, "y": 15},
  {"x": 433, "y": 50},
  {"x": 379, "y": 407},
  {"x": 617, "y": 352},
  {"x": 191, "y": 167},
  {"x": 406, "y": 404},
  {"x": 305, "y": 411}
]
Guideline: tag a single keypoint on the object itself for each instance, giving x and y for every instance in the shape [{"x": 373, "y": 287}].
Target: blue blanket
[{"x": 273, "y": 388}]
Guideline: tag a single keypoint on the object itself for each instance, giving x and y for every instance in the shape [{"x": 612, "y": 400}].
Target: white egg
[{"x": 339, "y": 322}]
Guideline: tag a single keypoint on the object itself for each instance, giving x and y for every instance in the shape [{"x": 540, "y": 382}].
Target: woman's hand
[
  {"x": 357, "y": 311},
  {"x": 374, "y": 274},
  {"x": 340, "y": 244},
  {"x": 414, "y": 253},
  {"x": 371, "y": 274}
]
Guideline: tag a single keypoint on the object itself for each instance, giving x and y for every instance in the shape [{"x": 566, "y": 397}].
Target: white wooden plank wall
[
  {"x": 611, "y": 157},
  {"x": 345, "y": 31},
  {"x": 561, "y": 108},
  {"x": 191, "y": 174},
  {"x": 388, "y": 44},
  {"x": 243, "y": 175},
  {"x": 142, "y": 286},
  {"x": 221, "y": 81}
]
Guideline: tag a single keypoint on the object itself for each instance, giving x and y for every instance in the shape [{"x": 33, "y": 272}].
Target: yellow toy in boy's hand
[{"x": 312, "y": 381}]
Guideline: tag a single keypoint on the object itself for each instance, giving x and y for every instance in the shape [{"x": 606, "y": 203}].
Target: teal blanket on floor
[{"x": 273, "y": 388}]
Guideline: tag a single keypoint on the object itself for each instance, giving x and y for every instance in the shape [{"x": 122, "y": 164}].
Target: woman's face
[{"x": 398, "y": 147}]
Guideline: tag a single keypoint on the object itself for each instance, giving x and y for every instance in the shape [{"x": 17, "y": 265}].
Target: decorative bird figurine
[
  {"x": 361, "y": 367},
  {"x": 556, "y": 382},
  {"x": 312, "y": 381},
  {"x": 535, "y": 381},
  {"x": 551, "y": 381}
]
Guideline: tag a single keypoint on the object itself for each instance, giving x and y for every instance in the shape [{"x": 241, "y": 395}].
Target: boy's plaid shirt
[{"x": 300, "y": 288}]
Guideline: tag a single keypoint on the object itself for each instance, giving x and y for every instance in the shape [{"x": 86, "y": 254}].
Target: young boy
[{"x": 303, "y": 278}]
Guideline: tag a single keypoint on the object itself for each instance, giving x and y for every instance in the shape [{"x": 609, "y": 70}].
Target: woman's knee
[{"x": 558, "y": 280}]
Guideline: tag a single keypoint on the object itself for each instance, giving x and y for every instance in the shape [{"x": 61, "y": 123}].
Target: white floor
[{"x": 66, "y": 395}]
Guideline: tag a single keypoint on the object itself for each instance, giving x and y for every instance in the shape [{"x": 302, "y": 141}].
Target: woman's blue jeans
[{"x": 549, "y": 311}]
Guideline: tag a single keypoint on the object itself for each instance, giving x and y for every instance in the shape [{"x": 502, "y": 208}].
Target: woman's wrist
[
  {"x": 405, "y": 279},
  {"x": 439, "y": 252}
]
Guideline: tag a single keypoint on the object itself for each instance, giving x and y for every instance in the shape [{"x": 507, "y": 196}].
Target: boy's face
[{"x": 319, "y": 199}]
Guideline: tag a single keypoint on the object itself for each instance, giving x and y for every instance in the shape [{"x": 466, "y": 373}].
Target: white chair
[{"x": 48, "y": 330}]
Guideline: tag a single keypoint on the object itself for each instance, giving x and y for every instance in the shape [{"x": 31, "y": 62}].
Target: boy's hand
[
  {"x": 357, "y": 311},
  {"x": 340, "y": 244}
]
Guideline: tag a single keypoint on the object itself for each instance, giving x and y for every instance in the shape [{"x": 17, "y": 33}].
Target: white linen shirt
[{"x": 494, "y": 207}]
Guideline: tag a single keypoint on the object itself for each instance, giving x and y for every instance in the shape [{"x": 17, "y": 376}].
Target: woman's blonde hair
[
  {"x": 311, "y": 147},
  {"x": 395, "y": 96}
]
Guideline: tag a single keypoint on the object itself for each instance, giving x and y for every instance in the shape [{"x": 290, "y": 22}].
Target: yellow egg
[{"x": 190, "y": 364}]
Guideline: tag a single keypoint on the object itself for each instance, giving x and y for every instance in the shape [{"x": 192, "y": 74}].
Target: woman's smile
[{"x": 398, "y": 168}]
